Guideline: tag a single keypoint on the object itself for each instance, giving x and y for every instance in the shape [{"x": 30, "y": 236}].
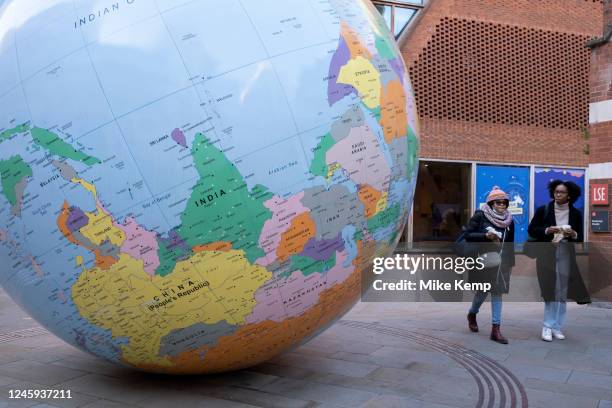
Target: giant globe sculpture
[{"x": 197, "y": 186}]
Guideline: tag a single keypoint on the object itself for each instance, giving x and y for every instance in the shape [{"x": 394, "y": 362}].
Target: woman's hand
[
  {"x": 552, "y": 230},
  {"x": 491, "y": 236},
  {"x": 569, "y": 233}
]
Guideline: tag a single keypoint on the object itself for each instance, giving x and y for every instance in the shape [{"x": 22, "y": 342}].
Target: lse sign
[{"x": 599, "y": 194}]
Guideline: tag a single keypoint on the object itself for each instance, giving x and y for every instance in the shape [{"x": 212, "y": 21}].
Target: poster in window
[
  {"x": 514, "y": 180},
  {"x": 544, "y": 175}
]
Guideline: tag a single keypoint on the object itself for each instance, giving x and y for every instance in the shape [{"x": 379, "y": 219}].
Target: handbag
[{"x": 493, "y": 259}]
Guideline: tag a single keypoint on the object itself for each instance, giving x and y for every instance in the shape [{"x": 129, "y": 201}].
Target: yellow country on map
[
  {"x": 209, "y": 287},
  {"x": 363, "y": 76}
]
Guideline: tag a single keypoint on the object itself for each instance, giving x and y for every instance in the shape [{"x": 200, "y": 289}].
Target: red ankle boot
[
  {"x": 497, "y": 336},
  {"x": 472, "y": 324}
]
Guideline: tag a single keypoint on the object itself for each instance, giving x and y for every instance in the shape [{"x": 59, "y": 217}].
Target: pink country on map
[
  {"x": 360, "y": 155},
  {"x": 283, "y": 211},
  {"x": 296, "y": 294},
  {"x": 339, "y": 273},
  {"x": 140, "y": 244},
  {"x": 179, "y": 137}
]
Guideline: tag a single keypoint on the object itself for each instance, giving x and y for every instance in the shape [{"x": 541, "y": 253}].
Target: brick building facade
[
  {"x": 600, "y": 108},
  {"x": 600, "y": 130},
  {"x": 501, "y": 83},
  {"x": 489, "y": 71}
]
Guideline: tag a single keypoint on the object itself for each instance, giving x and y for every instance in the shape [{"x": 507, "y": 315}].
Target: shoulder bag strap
[{"x": 501, "y": 251}]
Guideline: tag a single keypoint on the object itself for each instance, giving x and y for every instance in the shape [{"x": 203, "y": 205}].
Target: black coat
[
  {"x": 476, "y": 233},
  {"x": 546, "y": 260}
]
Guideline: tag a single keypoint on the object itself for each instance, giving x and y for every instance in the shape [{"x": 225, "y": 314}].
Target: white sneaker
[
  {"x": 558, "y": 334},
  {"x": 546, "y": 334}
]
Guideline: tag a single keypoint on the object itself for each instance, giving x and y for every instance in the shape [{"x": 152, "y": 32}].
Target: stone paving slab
[
  {"x": 318, "y": 392},
  {"x": 44, "y": 374},
  {"x": 392, "y": 401},
  {"x": 331, "y": 365},
  {"x": 568, "y": 360},
  {"x": 378, "y": 386},
  {"x": 443, "y": 397},
  {"x": 250, "y": 396},
  {"x": 597, "y": 380},
  {"x": 569, "y": 389},
  {"x": 194, "y": 400},
  {"x": 547, "y": 399}
]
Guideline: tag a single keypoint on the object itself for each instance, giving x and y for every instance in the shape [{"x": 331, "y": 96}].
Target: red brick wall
[
  {"x": 601, "y": 142},
  {"x": 607, "y": 12},
  {"x": 460, "y": 140},
  {"x": 601, "y": 73},
  {"x": 601, "y": 90},
  {"x": 506, "y": 81},
  {"x": 601, "y": 133}
]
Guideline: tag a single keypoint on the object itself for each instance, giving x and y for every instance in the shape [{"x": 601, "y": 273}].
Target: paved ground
[{"x": 379, "y": 355}]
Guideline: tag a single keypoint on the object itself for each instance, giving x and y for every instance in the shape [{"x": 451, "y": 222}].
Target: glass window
[
  {"x": 441, "y": 201},
  {"x": 385, "y": 11},
  {"x": 396, "y": 15},
  {"x": 403, "y": 16}
]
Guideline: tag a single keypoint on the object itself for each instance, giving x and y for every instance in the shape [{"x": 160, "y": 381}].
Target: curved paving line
[
  {"x": 462, "y": 357},
  {"x": 509, "y": 382},
  {"x": 491, "y": 366},
  {"x": 483, "y": 369},
  {"x": 490, "y": 369},
  {"x": 473, "y": 369},
  {"x": 507, "y": 375}
]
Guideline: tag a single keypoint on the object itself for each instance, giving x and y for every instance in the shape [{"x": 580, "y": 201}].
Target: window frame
[{"x": 415, "y": 5}]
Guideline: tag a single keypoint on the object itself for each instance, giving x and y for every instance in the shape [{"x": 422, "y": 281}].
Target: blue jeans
[
  {"x": 554, "y": 314},
  {"x": 554, "y": 311},
  {"x": 496, "y": 305}
]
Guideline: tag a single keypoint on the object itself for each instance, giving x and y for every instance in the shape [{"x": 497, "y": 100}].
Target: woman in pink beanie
[{"x": 492, "y": 226}]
